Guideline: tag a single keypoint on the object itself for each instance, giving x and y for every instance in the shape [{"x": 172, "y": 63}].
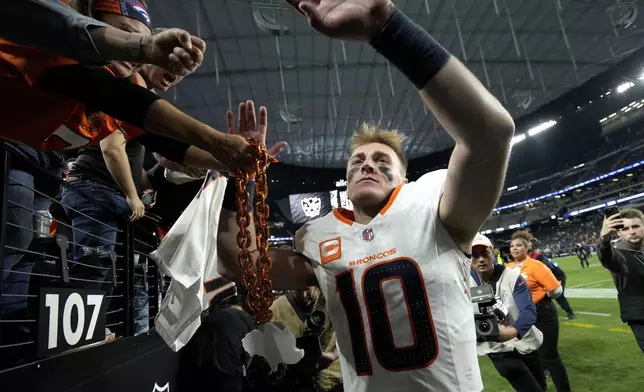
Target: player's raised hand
[
  {"x": 174, "y": 50},
  {"x": 249, "y": 127},
  {"x": 352, "y": 20}
]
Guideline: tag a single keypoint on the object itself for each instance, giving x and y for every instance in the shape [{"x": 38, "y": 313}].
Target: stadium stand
[{"x": 47, "y": 268}]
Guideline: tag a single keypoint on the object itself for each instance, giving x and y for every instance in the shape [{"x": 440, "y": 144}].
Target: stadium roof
[{"x": 318, "y": 90}]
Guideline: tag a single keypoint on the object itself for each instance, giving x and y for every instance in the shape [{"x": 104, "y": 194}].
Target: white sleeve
[
  {"x": 301, "y": 241},
  {"x": 425, "y": 193}
]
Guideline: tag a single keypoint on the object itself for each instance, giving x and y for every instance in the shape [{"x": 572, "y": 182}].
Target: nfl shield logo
[{"x": 367, "y": 234}]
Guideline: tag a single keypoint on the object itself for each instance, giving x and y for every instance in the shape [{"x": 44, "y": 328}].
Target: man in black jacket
[{"x": 626, "y": 262}]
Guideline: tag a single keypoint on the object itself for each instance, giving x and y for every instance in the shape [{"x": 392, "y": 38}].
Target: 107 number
[{"x": 72, "y": 331}]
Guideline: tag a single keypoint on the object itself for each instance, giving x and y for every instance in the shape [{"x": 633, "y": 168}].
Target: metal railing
[{"x": 31, "y": 259}]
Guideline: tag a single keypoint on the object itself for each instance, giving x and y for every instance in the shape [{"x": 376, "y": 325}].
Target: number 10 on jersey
[{"x": 424, "y": 348}]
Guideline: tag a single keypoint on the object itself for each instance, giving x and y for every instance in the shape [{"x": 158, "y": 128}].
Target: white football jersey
[
  {"x": 397, "y": 292},
  {"x": 188, "y": 254}
]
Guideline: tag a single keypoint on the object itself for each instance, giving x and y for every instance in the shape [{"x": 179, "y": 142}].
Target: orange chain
[{"x": 258, "y": 285}]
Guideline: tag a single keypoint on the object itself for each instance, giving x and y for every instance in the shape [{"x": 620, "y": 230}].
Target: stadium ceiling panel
[{"x": 317, "y": 90}]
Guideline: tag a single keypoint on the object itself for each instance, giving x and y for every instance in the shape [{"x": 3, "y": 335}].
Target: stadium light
[
  {"x": 553, "y": 216},
  {"x": 624, "y": 87},
  {"x": 572, "y": 187},
  {"x": 606, "y": 204},
  {"x": 274, "y": 239},
  {"x": 512, "y": 188},
  {"x": 630, "y": 198},
  {"x": 518, "y": 138},
  {"x": 542, "y": 127}
]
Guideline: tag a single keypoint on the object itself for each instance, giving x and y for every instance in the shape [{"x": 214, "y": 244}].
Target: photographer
[
  {"x": 294, "y": 310},
  {"x": 626, "y": 262},
  {"x": 514, "y": 354}
]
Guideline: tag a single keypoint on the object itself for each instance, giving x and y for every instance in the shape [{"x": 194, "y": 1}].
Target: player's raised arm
[
  {"x": 480, "y": 126},
  {"x": 290, "y": 270}
]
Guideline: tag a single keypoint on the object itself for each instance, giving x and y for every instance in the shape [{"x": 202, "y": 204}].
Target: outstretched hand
[
  {"x": 353, "y": 20},
  {"x": 249, "y": 127}
]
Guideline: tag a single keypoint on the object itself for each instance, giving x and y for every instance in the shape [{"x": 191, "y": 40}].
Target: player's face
[
  {"x": 633, "y": 231},
  {"x": 482, "y": 259},
  {"x": 125, "y": 69},
  {"x": 518, "y": 249},
  {"x": 159, "y": 79},
  {"x": 373, "y": 171}
]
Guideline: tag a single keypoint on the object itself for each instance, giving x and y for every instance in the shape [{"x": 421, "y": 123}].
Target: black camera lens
[
  {"x": 483, "y": 327},
  {"x": 316, "y": 319}
]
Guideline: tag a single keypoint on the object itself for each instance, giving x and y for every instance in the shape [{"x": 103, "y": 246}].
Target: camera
[
  {"x": 302, "y": 377},
  {"x": 487, "y": 313}
]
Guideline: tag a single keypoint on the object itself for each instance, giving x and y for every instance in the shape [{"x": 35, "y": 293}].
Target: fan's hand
[
  {"x": 249, "y": 127},
  {"x": 352, "y": 20},
  {"x": 611, "y": 225},
  {"x": 234, "y": 152},
  {"x": 174, "y": 50}
]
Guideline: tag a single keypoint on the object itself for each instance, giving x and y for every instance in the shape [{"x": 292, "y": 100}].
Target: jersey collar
[{"x": 347, "y": 216}]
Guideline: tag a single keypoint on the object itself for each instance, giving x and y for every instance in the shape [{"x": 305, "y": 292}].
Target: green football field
[{"x": 599, "y": 350}]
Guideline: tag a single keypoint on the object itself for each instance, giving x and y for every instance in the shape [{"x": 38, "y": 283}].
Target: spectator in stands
[
  {"x": 54, "y": 26},
  {"x": 625, "y": 261},
  {"x": 69, "y": 165},
  {"x": 543, "y": 286},
  {"x": 112, "y": 174},
  {"x": 60, "y": 91},
  {"x": 95, "y": 204},
  {"x": 29, "y": 194},
  {"x": 515, "y": 354}
]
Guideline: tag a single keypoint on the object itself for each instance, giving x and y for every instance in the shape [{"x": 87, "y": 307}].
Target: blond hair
[{"x": 372, "y": 133}]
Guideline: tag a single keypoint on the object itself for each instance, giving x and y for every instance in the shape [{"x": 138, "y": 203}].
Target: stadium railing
[{"x": 61, "y": 315}]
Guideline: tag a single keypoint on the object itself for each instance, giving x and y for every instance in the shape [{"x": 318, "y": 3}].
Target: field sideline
[{"x": 599, "y": 350}]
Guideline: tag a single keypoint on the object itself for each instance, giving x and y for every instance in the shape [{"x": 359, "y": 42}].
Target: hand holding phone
[{"x": 612, "y": 222}]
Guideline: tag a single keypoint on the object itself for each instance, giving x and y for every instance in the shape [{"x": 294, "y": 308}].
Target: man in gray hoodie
[{"x": 625, "y": 260}]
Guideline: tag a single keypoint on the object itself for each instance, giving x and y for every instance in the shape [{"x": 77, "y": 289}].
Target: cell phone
[{"x": 610, "y": 211}]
